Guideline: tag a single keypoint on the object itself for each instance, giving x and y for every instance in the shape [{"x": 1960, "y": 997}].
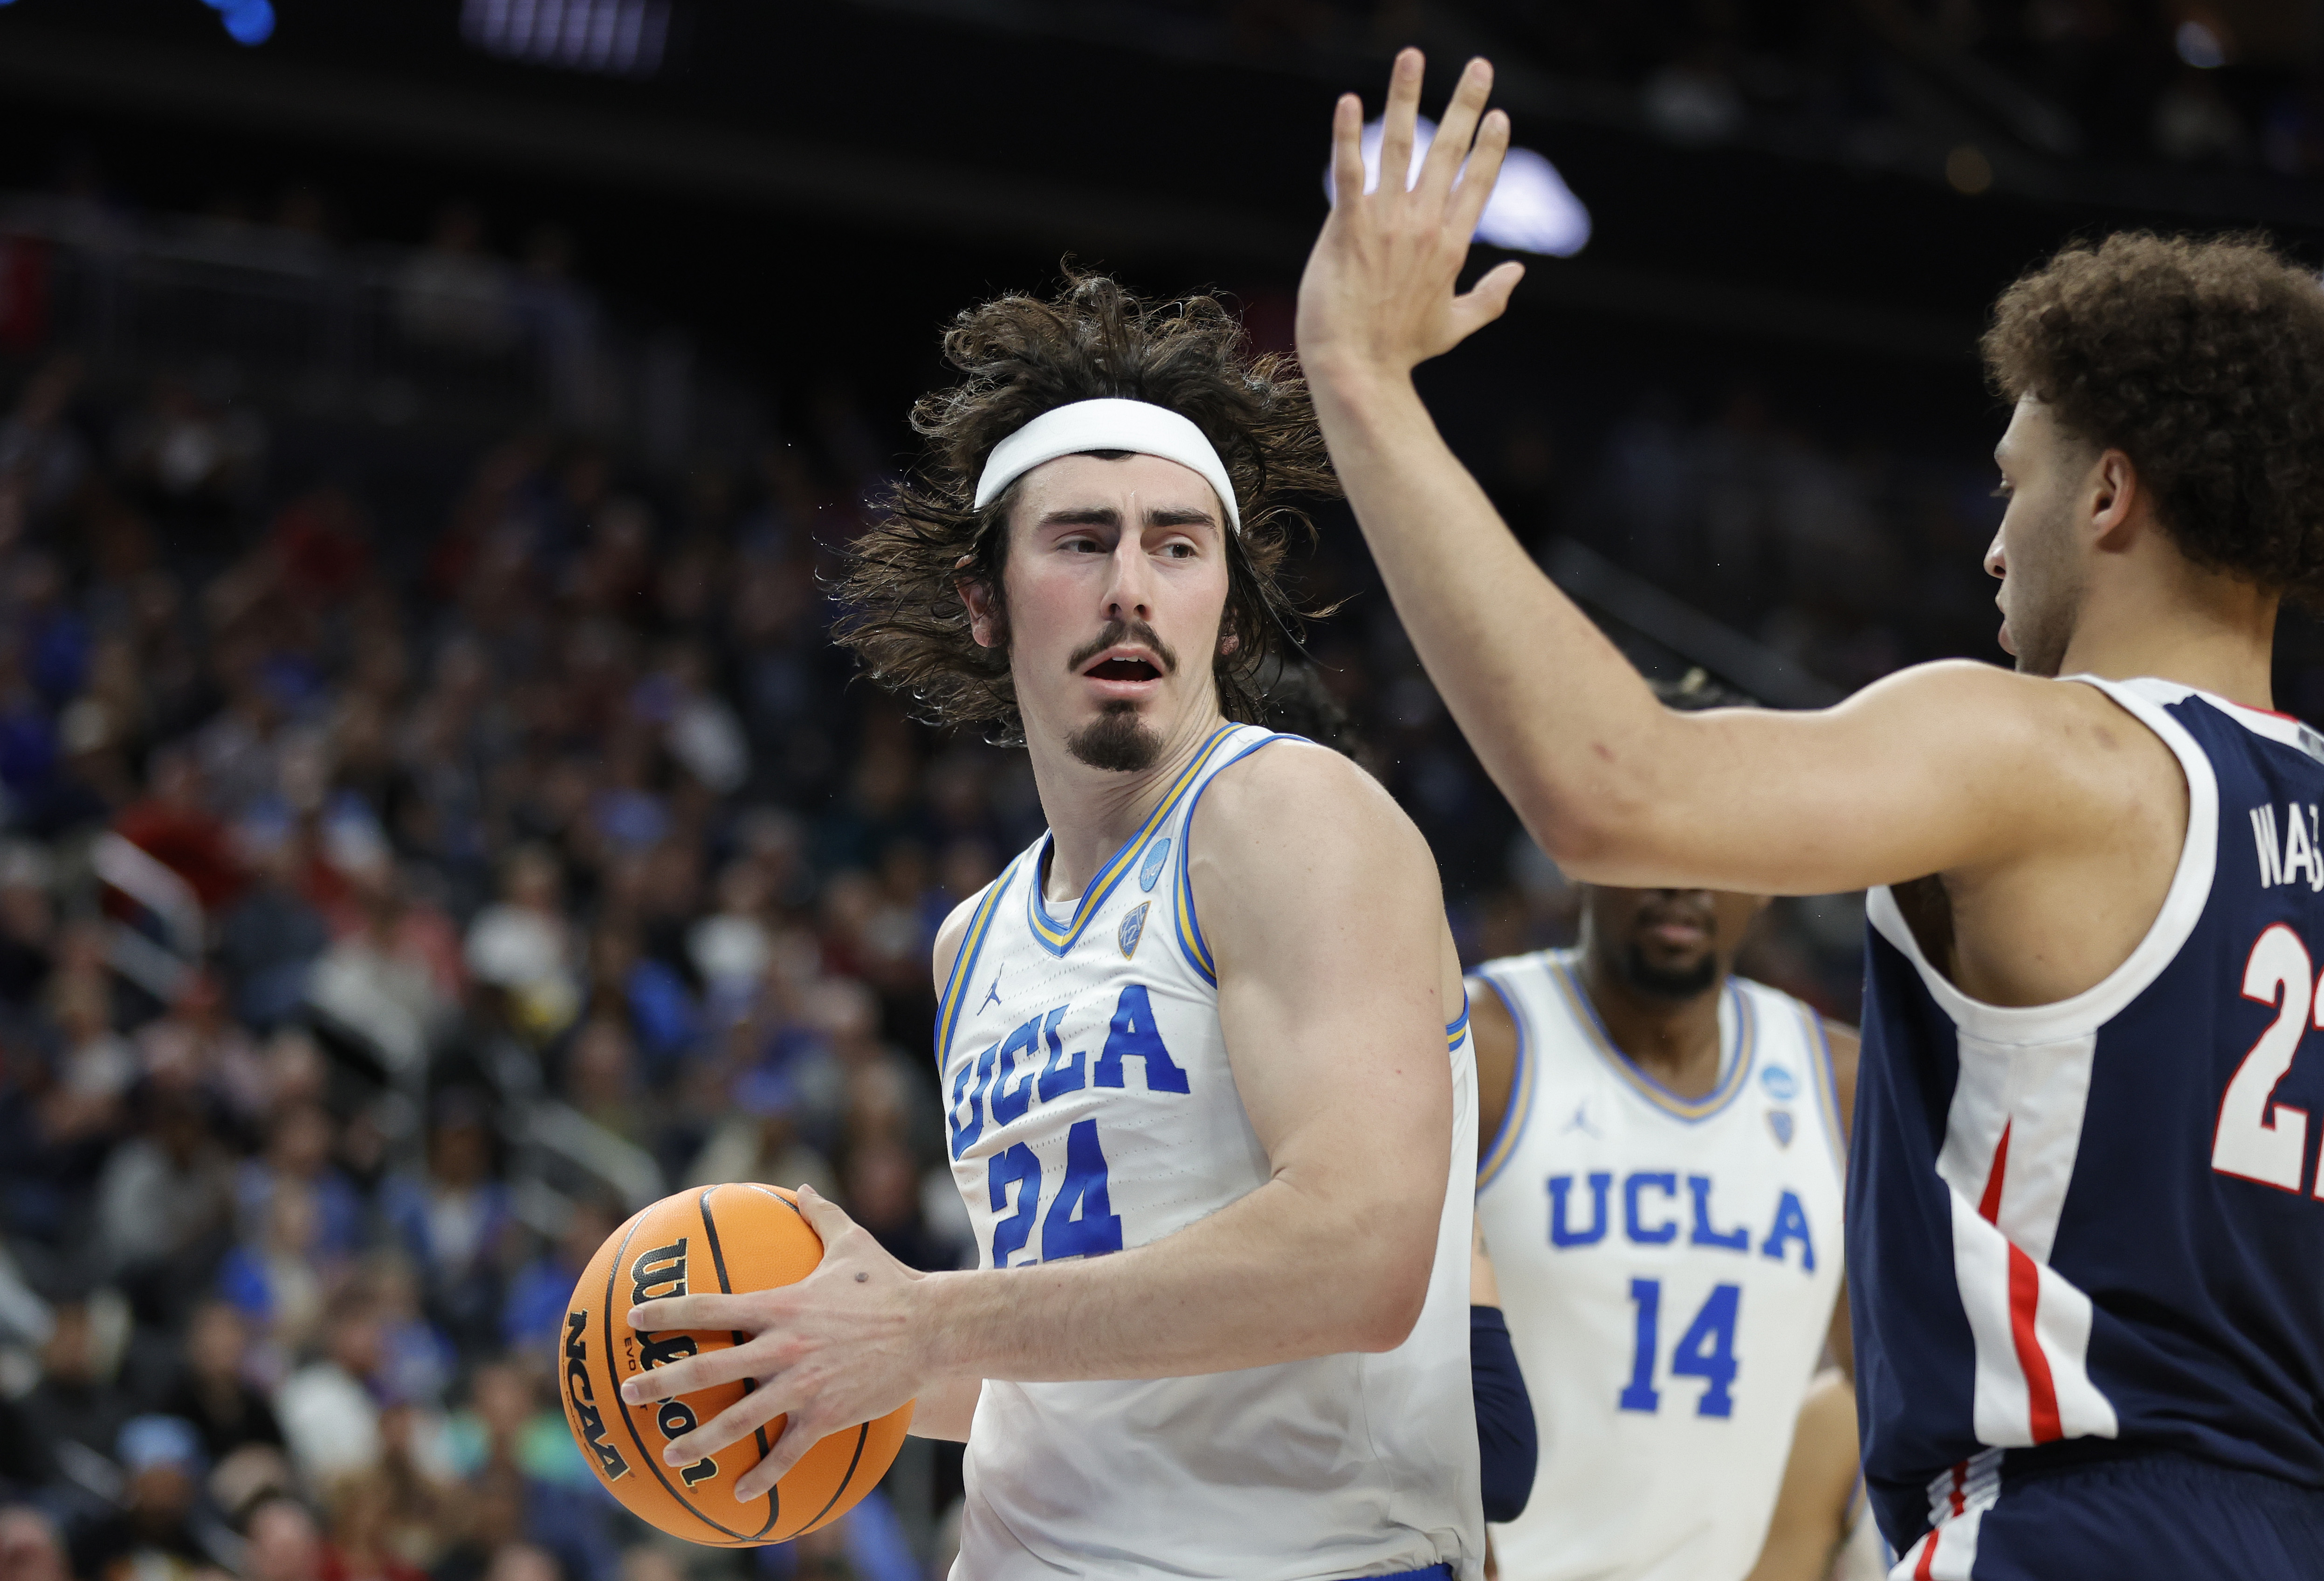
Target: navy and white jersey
[
  {"x": 1668, "y": 1270},
  {"x": 1093, "y": 1107},
  {"x": 2095, "y": 1228}
]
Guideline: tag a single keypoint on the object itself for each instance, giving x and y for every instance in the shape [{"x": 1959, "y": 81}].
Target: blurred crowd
[
  {"x": 401, "y": 881},
  {"x": 372, "y": 940}
]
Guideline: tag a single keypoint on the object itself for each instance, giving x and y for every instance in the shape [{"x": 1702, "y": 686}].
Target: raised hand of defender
[
  {"x": 834, "y": 1349},
  {"x": 1377, "y": 296}
]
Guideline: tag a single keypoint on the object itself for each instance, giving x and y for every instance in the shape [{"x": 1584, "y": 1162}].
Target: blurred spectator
[
  {"x": 166, "y": 1199},
  {"x": 31, "y": 1547},
  {"x": 213, "y": 1391},
  {"x": 522, "y": 944},
  {"x": 533, "y": 1319},
  {"x": 360, "y": 1508},
  {"x": 455, "y": 1219},
  {"x": 76, "y": 1409},
  {"x": 283, "y": 1543},
  {"x": 452, "y": 295},
  {"x": 883, "y": 1195},
  {"x": 327, "y": 1408},
  {"x": 152, "y": 1537}
]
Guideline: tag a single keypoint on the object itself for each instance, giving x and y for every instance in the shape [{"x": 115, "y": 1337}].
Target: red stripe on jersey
[
  {"x": 1988, "y": 1206},
  {"x": 1925, "y": 1570},
  {"x": 2040, "y": 1390},
  {"x": 2025, "y": 1303}
]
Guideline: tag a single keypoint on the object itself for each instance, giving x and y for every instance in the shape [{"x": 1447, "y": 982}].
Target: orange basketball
[{"x": 728, "y": 1239}]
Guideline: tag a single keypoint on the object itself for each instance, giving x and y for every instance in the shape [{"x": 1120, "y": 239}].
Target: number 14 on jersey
[{"x": 1705, "y": 1350}]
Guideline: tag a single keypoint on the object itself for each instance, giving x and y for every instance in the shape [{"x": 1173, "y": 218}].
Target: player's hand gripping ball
[{"x": 731, "y": 1239}]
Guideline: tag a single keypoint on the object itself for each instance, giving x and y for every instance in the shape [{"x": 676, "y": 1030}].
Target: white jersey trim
[
  {"x": 1736, "y": 1063},
  {"x": 2182, "y": 904},
  {"x": 1504, "y": 1146}
]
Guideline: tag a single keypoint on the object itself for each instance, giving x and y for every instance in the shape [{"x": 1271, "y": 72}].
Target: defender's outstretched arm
[{"x": 1927, "y": 771}]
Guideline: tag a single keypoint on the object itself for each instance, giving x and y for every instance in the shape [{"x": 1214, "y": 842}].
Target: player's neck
[
  {"x": 1675, "y": 1041},
  {"x": 2199, "y": 628},
  {"x": 1093, "y": 811}
]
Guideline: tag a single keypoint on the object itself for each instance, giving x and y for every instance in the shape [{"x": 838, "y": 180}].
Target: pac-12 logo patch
[
  {"x": 1133, "y": 927},
  {"x": 1779, "y": 1121},
  {"x": 1149, "y": 870},
  {"x": 1780, "y": 1084}
]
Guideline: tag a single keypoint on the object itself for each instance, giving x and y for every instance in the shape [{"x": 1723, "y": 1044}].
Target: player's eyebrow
[{"x": 1107, "y": 516}]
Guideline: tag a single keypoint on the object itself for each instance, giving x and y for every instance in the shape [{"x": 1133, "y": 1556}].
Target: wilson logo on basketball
[
  {"x": 587, "y": 1420},
  {"x": 727, "y": 1239},
  {"x": 657, "y": 1274}
]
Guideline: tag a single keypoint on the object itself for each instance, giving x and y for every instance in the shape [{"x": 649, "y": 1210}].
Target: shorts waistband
[{"x": 1434, "y": 1573}]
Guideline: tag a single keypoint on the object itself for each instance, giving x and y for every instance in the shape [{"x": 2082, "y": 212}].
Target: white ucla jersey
[
  {"x": 1092, "y": 1108},
  {"x": 1668, "y": 1269}
]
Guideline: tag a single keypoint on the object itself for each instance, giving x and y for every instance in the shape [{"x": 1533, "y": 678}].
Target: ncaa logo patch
[
  {"x": 1133, "y": 927},
  {"x": 1150, "y": 870},
  {"x": 1780, "y": 1084},
  {"x": 1779, "y": 1121}
]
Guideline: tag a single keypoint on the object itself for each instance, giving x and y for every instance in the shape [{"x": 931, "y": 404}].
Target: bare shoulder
[
  {"x": 2058, "y": 720},
  {"x": 1298, "y": 791},
  {"x": 949, "y": 937}
]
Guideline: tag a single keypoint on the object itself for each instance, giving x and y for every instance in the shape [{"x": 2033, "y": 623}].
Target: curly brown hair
[
  {"x": 901, "y": 609},
  {"x": 2203, "y": 362}
]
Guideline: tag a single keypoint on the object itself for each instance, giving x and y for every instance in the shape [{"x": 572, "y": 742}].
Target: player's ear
[
  {"x": 2115, "y": 495},
  {"x": 987, "y": 621}
]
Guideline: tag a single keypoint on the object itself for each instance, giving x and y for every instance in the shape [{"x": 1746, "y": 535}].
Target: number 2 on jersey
[
  {"x": 1705, "y": 1350},
  {"x": 2249, "y": 1142}
]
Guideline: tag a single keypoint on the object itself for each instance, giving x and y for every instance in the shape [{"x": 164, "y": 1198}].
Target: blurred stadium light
[
  {"x": 621, "y": 38},
  {"x": 1532, "y": 209},
  {"x": 247, "y": 22}
]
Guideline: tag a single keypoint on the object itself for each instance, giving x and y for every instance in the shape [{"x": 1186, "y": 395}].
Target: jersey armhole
[
  {"x": 1189, "y": 931},
  {"x": 964, "y": 963},
  {"x": 2182, "y": 907},
  {"x": 1827, "y": 1080},
  {"x": 1515, "y": 1113}
]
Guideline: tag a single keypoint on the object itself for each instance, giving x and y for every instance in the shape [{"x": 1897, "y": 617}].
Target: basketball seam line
[
  {"x": 718, "y": 1262},
  {"x": 653, "y": 1462},
  {"x": 862, "y": 1431}
]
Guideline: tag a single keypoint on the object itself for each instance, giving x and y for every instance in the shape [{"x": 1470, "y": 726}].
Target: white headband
[{"x": 1109, "y": 424}]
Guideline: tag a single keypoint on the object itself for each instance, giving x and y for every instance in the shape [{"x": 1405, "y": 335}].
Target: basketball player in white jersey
[
  {"x": 1202, "y": 1044},
  {"x": 1659, "y": 1185}
]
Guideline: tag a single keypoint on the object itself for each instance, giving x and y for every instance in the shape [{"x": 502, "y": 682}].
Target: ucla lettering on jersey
[
  {"x": 2097, "y": 1225},
  {"x": 1091, "y": 1107},
  {"x": 1668, "y": 1269}
]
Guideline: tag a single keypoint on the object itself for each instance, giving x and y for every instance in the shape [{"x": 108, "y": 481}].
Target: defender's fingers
[
  {"x": 735, "y": 1422},
  {"x": 1477, "y": 182},
  {"x": 1488, "y": 299},
  {"x": 1347, "y": 150},
  {"x": 1459, "y": 127},
  {"x": 1397, "y": 120},
  {"x": 701, "y": 1372},
  {"x": 702, "y": 1311},
  {"x": 797, "y": 1438}
]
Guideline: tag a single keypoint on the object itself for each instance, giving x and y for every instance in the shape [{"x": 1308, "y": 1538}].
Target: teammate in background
[
  {"x": 2083, "y": 1221},
  {"x": 1203, "y": 1043},
  {"x": 1659, "y": 1183},
  {"x": 1823, "y": 1529}
]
